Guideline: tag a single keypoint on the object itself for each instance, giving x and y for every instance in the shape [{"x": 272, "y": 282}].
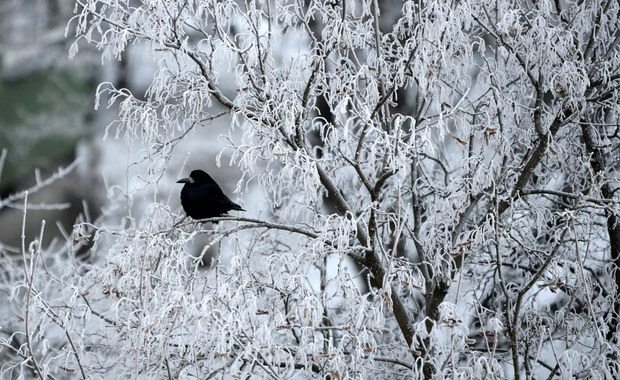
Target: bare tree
[{"x": 442, "y": 191}]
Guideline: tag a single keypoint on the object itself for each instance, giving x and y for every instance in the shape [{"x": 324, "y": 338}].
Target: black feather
[{"x": 202, "y": 198}]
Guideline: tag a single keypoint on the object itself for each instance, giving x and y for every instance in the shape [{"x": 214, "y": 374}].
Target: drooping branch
[{"x": 598, "y": 162}]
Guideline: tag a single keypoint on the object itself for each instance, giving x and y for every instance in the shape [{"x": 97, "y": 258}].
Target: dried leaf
[{"x": 462, "y": 142}]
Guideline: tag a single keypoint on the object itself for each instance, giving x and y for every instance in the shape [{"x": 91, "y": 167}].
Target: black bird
[{"x": 201, "y": 197}]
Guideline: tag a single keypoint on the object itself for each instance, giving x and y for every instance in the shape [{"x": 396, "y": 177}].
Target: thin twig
[
  {"x": 62, "y": 172},
  {"x": 30, "y": 279}
]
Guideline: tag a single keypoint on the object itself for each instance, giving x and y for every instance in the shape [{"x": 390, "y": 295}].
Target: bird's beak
[{"x": 186, "y": 180}]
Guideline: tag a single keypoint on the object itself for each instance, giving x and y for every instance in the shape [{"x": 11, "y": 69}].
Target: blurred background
[{"x": 46, "y": 113}]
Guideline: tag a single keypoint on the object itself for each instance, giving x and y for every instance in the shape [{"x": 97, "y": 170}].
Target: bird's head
[{"x": 196, "y": 176}]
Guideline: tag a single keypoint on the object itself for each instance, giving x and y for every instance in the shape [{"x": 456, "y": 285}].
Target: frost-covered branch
[
  {"x": 413, "y": 165},
  {"x": 12, "y": 199}
]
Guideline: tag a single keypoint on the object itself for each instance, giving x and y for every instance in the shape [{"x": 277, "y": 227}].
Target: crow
[{"x": 202, "y": 198}]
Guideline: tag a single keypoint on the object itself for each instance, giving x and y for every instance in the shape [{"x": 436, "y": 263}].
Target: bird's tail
[{"x": 235, "y": 206}]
